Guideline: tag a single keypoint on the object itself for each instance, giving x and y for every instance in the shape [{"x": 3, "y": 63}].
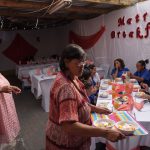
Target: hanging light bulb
[
  {"x": 2, "y": 23},
  {"x": 60, "y": 4},
  {"x": 37, "y": 22}
]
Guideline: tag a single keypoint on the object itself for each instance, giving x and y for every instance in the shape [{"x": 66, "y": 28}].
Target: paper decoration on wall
[
  {"x": 86, "y": 42},
  {"x": 122, "y": 21},
  {"x": 19, "y": 49}
]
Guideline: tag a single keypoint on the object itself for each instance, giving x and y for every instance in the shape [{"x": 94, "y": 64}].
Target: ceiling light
[
  {"x": 2, "y": 23},
  {"x": 59, "y": 5},
  {"x": 36, "y": 25}
]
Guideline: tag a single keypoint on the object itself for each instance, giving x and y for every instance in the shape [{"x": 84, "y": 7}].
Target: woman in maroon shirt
[{"x": 69, "y": 125}]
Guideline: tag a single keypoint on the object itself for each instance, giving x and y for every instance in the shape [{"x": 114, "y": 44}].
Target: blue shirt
[
  {"x": 92, "y": 98},
  {"x": 93, "y": 82},
  {"x": 145, "y": 74},
  {"x": 120, "y": 72}
]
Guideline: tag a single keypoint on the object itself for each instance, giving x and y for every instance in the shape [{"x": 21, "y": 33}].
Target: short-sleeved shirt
[
  {"x": 96, "y": 78},
  {"x": 145, "y": 74},
  {"x": 120, "y": 72},
  {"x": 67, "y": 105}
]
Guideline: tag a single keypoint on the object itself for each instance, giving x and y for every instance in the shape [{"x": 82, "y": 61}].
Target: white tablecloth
[
  {"x": 46, "y": 87},
  {"x": 22, "y": 71},
  {"x": 129, "y": 143},
  {"x": 36, "y": 79}
]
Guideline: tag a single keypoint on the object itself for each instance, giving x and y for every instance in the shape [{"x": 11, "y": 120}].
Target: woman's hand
[
  {"x": 142, "y": 90},
  {"x": 97, "y": 85},
  {"x": 105, "y": 111},
  {"x": 145, "y": 86},
  {"x": 9, "y": 89},
  {"x": 145, "y": 96},
  {"x": 93, "y": 90},
  {"x": 100, "y": 110},
  {"x": 16, "y": 90},
  {"x": 129, "y": 74},
  {"x": 114, "y": 135}
]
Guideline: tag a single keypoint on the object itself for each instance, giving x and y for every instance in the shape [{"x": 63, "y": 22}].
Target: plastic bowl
[
  {"x": 126, "y": 131},
  {"x": 99, "y": 123},
  {"x": 118, "y": 79},
  {"x": 104, "y": 95},
  {"x": 104, "y": 87},
  {"x": 133, "y": 80},
  {"x": 106, "y": 81},
  {"x": 139, "y": 94},
  {"x": 136, "y": 86}
]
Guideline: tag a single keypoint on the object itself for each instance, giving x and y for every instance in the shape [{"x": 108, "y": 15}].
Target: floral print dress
[{"x": 67, "y": 104}]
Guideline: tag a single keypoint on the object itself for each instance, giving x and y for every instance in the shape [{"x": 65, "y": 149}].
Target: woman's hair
[
  {"x": 72, "y": 51},
  {"x": 121, "y": 62},
  {"x": 87, "y": 85},
  {"x": 91, "y": 66},
  {"x": 143, "y": 62},
  {"x": 86, "y": 66}
]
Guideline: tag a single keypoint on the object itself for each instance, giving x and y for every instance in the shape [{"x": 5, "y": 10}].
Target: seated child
[{"x": 91, "y": 90}]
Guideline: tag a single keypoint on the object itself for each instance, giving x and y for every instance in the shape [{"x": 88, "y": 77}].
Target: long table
[
  {"x": 36, "y": 79},
  {"x": 22, "y": 71},
  {"x": 41, "y": 85},
  {"x": 130, "y": 142}
]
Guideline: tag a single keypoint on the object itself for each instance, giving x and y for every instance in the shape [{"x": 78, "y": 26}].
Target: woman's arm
[
  {"x": 100, "y": 110},
  {"x": 9, "y": 89},
  {"x": 16, "y": 89},
  {"x": 146, "y": 96},
  {"x": 5, "y": 89},
  {"x": 115, "y": 74},
  {"x": 80, "y": 129},
  {"x": 137, "y": 78},
  {"x": 144, "y": 86}
]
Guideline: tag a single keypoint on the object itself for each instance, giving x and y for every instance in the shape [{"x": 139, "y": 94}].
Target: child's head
[
  {"x": 86, "y": 75},
  {"x": 88, "y": 87},
  {"x": 92, "y": 69}
]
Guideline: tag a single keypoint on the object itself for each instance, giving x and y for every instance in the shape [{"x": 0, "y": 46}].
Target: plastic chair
[{"x": 106, "y": 68}]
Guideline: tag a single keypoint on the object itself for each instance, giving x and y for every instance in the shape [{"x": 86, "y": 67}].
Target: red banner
[{"x": 86, "y": 42}]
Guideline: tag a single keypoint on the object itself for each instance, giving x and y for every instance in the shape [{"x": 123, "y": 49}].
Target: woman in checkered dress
[{"x": 9, "y": 124}]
